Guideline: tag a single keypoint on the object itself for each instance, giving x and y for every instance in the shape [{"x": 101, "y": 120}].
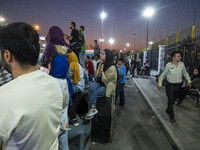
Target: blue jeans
[
  {"x": 76, "y": 89},
  {"x": 63, "y": 141},
  {"x": 96, "y": 91},
  {"x": 82, "y": 59}
]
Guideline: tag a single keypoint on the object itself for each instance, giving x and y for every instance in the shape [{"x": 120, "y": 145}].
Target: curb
[{"x": 175, "y": 142}]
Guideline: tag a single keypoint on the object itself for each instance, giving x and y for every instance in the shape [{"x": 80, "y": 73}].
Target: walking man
[{"x": 173, "y": 72}]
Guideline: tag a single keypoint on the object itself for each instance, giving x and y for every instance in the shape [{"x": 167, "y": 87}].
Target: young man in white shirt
[{"x": 30, "y": 104}]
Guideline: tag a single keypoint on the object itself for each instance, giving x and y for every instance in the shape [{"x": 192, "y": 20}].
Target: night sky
[{"x": 123, "y": 20}]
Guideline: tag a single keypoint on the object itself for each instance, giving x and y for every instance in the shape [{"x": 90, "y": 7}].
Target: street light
[
  {"x": 111, "y": 41},
  {"x": 148, "y": 13},
  {"x": 103, "y": 16},
  {"x": 36, "y": 27},
  {"x": 150, "y": 43},
  {"x": 2, "y": 19},
  {"x": 102, "y": 40},
  {"x": 127, "y": 44}
]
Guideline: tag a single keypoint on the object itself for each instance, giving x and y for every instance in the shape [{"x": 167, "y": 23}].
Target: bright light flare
[
  {"x": 151, "y": 43},
  {"x": 149, "y": 12},
  {"x": 103, "y": 15},
  {"x": 36, "y": 27},
  {"x": 102, "y": 40},
  {"x": 111, "y": 41},
  {"x": 2, "y": 19},
  {"x": 127, "y": 44}
]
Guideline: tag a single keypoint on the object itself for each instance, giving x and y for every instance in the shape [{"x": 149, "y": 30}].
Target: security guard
[{"x": 174, "y": 71}]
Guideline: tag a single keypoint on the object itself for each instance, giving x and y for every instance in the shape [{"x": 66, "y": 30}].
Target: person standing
[
  {"x": 83, "y": 47},
  {"x": 74, "y": 39},
  {"x": 96, "y": 48},
  {"x": 127, "y": 66},
  {"x": 31, "y": 103},
  {"x": 173, "y": 72},
  {"x": 90, "y": 68},
  {"x": 133, "y": 66},
  {"x": 122, "y": 82}
]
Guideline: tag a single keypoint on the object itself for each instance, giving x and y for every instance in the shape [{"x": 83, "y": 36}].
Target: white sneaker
[
  {"x": 86, "y": 117},
  {"x": 92, "y": 112}
]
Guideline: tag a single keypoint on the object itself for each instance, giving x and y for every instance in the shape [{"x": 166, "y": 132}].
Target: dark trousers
[
  {"x": 77, "y": 54},
  {"x": 183, "y": 92},
  {"x": 133, "y": 72},
  {"x": 120, "y": 91},
  {"x": 172, "y": 92},
  {"x": 91, "y": 76},
  {"x": 76, "y": 49}
]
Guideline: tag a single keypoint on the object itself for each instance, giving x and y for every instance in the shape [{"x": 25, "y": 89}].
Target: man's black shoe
[
  {"x": 172, "y": 120},
  {"x": 120, "y": 104},
  {"x": 177, "y": 102}
]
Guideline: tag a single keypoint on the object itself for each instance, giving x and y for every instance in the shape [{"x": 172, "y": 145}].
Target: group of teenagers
[{"x": 37, "y": 105}]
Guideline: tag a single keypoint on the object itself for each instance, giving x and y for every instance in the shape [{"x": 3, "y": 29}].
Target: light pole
[
  {"x": 148, "y": 13},
  {"x": 103, "y": 16},
  {"x": 134, "y": 35}
]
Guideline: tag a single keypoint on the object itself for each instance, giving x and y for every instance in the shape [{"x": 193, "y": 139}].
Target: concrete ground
[
  {"x": 135, "y": 127},
  {"x": 186, "y": 131}
]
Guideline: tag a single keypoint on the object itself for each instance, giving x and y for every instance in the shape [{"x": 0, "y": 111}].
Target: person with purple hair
[{"x": 55, "y": 45}]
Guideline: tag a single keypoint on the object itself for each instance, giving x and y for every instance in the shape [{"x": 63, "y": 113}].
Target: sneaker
[
  {"x": 67, "y": 129},
  {"x": 92, "y": 112},
  {"x": 86, "y": 117},
  {"x": 74, "y": 122}
]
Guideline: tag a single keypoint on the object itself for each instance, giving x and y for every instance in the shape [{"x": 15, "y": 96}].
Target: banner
[
  {"x": 167, "y": 41},
  {"x": 177, "y": 37},
  {"x": 193, "y": 32}
]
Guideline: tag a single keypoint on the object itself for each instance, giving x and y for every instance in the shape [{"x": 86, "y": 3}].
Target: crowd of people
[
  {"x": 136, "y": 67},
  {"x": 37, "y": 105}
]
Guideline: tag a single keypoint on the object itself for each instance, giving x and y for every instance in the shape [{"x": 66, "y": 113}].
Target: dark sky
[{"x": 124, "y": 17}]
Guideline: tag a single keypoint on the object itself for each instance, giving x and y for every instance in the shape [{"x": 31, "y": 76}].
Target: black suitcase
[{"x": 102, "y": 121}]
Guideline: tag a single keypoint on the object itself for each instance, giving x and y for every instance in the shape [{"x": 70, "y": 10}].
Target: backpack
[{"x": 81, "y": 39}]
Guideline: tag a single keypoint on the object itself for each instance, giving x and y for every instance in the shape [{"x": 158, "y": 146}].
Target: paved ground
[
  {"x": 186, "y": 130},
  {"x": 135, "y": 127}
]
